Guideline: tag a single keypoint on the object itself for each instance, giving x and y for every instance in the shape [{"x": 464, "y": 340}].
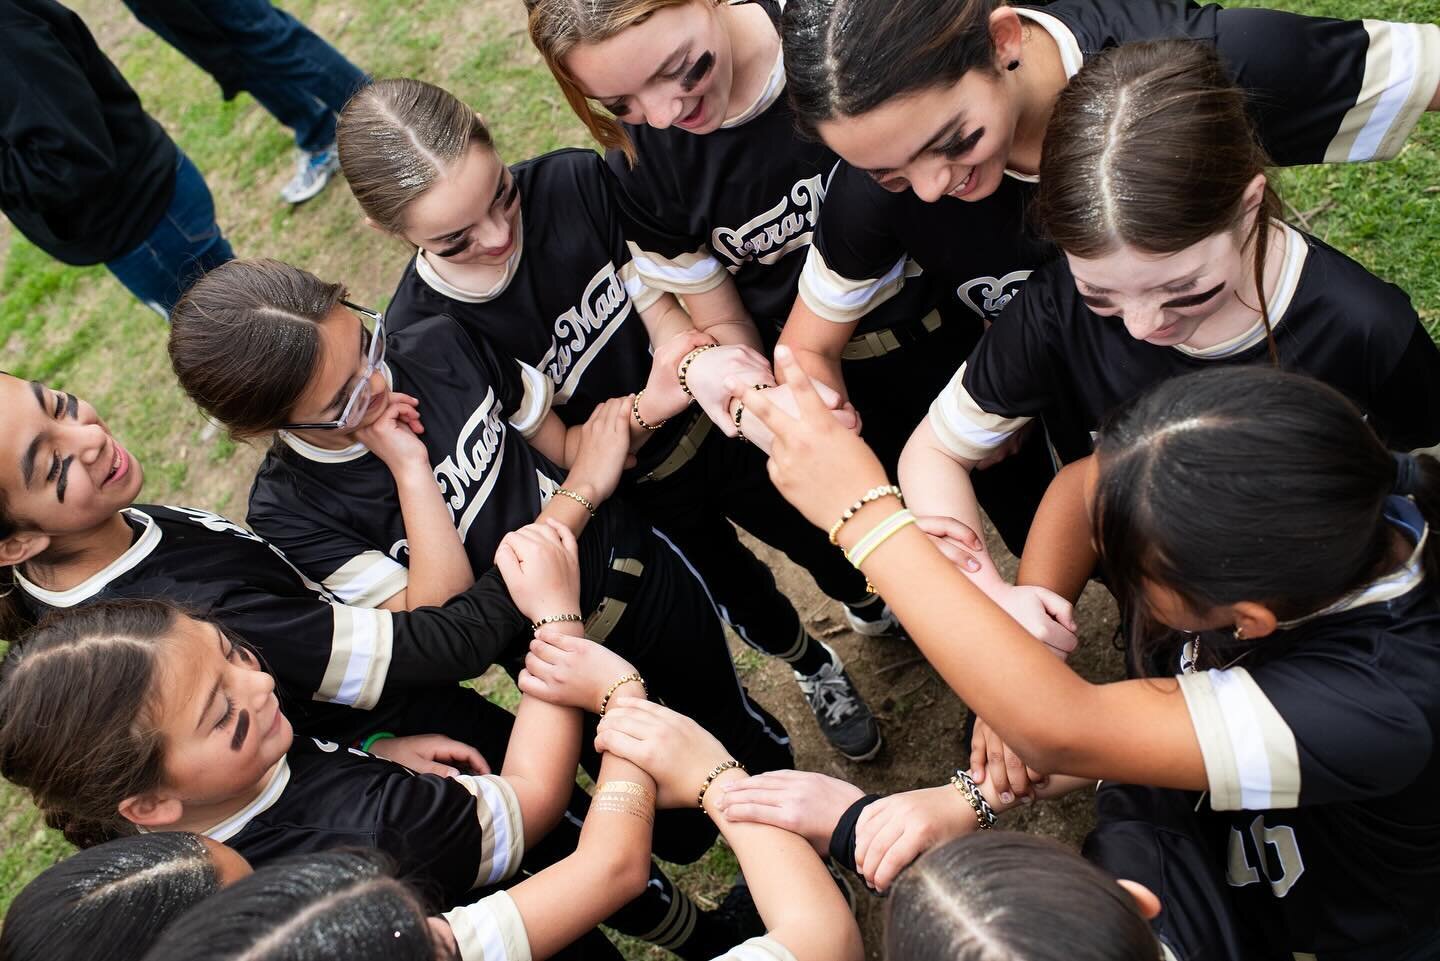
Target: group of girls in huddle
[{"x": 981, "y": 242}]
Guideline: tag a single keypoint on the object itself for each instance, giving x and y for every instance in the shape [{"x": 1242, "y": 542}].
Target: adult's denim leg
[
  {"x": 292, "y": 72},
  {"x": 184, "y": 244}
]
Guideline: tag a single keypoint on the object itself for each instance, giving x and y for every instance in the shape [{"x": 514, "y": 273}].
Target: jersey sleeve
[
  {"x": 856, "y": 260},
  {"x": 524, "y": 393},
  {"x": 670, "y": 252},
  {"x": 456, "y": 833},
  {"x": 1406, "y": 404},
  {"x": 599, "y": 190},
  {"x": 1308, "y": 728},
  {"x": 764, "y": 948},
  {"x": 1331, "y": 91},
  {"x": 491, "y": 929},
  {"x": 1009, "y": 377}
]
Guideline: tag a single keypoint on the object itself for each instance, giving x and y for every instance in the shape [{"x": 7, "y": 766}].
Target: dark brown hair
[
  {"x": 844, "y": 58},
  {"x": 244, "y": 341},
  {"x": 396, "y": 138},
  {"x": 1246, "y": 483},
  {"x": 997, "y": 896},
  {"x": 558, "y": 26},
  {"x": 1150, "y": 146},
  {"x": 77, "y": 729}
]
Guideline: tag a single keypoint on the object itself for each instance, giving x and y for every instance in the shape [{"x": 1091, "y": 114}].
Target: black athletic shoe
[
  {"x": 884, "y": 625},
  {"x": 844, "y": 718}
]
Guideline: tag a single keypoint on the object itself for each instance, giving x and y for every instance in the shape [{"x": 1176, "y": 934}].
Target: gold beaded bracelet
[
  {"x": 720, "y": 769},
  {"x": 621, "y": 682},
  {"x": 965, "y": 784},
  {"x": 873, "y": 494},
  {"x": 685, "y": 366},
  {"x": 583, "y": 501},
  {"x": 555, "y": 619},
  {"x": 635, "y": 412}
]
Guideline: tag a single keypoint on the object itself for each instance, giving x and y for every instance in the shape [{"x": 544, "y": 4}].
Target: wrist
[
  {"x": 712, "y": 791},
  {"x": 411, "y": 474},
  {"x": 864, "y": 520}
]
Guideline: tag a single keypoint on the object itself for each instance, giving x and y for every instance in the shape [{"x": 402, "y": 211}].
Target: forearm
[
  {"x": 721, "y": 313},
  {"x": 798, "y": 901},
  {"x": 1059, "y": 553},
  {"x": 567, "y": 510},
  {"x": 456, "y": 641},
  {"x": 439, "y": 566},
  {"x": 936, "y": 483},
  {"x": 817, "y": 344}
]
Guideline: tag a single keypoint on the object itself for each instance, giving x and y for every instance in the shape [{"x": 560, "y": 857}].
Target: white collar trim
[
  {"x": 143, "y": 547},
  {"x": 774, "y": 86},
  {"x": 1296, "y": 250},
  {"x": 440, "y": 285},
  {"x": 324, "y": 455},
  {"x": 1395, "y": 584},
  {"x": 1071, "y": 59},
  {"x": 236, "y": 822}
]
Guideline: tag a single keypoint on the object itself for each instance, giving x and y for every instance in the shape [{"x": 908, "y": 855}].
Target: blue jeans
[
  {"x": 184, "y": 244},
  {"x": 250, "y": 45}
]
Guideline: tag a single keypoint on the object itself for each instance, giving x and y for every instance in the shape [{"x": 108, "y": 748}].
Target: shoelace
[{"x": 830, "y": 693}]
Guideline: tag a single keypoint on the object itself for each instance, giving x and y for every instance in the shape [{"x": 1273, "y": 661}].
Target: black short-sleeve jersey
[
  {"x": 743, "y": 199},
  {"x": 448, "y": 836},
  {"x": 1321, "y": 91},
  {"x": 1322, "y": 767},
  {"x": 1050, "y": 356},
  {"x": 569, "y": 303},
  {"x": 318, "y": 648}
]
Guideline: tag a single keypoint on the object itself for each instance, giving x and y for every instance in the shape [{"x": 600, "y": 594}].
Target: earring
[
  {"x": 1239, "y": 633},
  {"x": 1013, "y": 65}
]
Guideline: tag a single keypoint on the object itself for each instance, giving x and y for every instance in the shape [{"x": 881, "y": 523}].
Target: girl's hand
[
  {"x": 663, "y": 396},
  {"x": 819, "y": 465},
  {"x": 896, "y": 830},
  {"x": 431, "y": 754},
  {"x": 783, "y": 397},
  {"x": 540, "y": 563},
  {"x": 678, "y": 753},
  {"x": 604, "y": 448},
  {"x": 1042, "y": 612},
  {"x": 992, "y": 759},
  {"x": 960, "y": 545},
  {"x": 572, "y": 671},
  {"x": 394, "y": 436},
  {"x": 708, "y": 372},
  {"x": 801, "y": 802}
]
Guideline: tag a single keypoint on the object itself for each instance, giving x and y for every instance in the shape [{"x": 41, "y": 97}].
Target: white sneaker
[
  {"x": 887, "y": 625},
  {"x": 312, "y": 173}
]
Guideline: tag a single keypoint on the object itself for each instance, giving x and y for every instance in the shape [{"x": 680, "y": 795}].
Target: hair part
[
  {"x": 339, "y": 904},
  {"x": 1245, "y": 484},
  {"x": 396, "y": 138},
  {"x": 999, "y": 896},
  {"x": 245, "y": 341},
  {"x": 844, "y": 58},
  {"x": 80, "y": 748},
  {"x": 1151, "y": 147},
  {"x": 558, "y": 26},
  {"x": 121, "y": 894}
]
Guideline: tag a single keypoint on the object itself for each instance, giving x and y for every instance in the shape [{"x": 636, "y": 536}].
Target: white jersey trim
[
  {"x": 964, "y": 427},
  {"x": 1402, "y": 70},
  {"x": 1297, "y": 250},
  {"x": 440, "y": 285},
  {"x": 143, "y": 547},
  {"x": 694, "y": 273},
  {"x": 539, "y": 394},
  {"x": 491, "y": 929},
  {"x": 360, "y": 649},
  {"x": 843, "y": 300},
  {"x": 502, "y": 828},
  {"x": 368, "y": 579},
  {"x": 1251, "y": 760},
  {"x": 763, "y": 948},
  {"x": 774, "y": 86},
  {"x": 237, "y": 822}
]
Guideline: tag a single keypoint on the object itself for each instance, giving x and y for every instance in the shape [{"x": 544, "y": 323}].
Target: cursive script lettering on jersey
[
  {"x": 605, "y": 299},
  {"x": 467, "y": 476},
  {"x": 787, "y": 226}
]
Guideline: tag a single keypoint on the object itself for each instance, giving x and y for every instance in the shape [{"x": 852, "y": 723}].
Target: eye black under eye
[
  {"x": 452, "y": 251},
  {"x": 1195, "y": 300},
  {"x": 958, "y": 148},
  {"x": 618, "y": 108},
  {"x": 698, "y": 72}
]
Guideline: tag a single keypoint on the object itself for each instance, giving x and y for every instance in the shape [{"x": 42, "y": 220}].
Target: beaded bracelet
[
  {"x": 720, "y": 769},
  {"x": 635, "y": 412},
  {"x": 621, "y": 682},
  {"x": 685, "y": 366},
  {"x": 555, "y": 619},
  {"x": 965, "y": 784},
  {"x": 873, "y": 494},
  {"x": 577, "y": 498},
  {"x": 740, "y": 409}
]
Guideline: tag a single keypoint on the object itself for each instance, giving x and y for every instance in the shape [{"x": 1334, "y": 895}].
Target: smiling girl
[
  {"x": 561, "y": 295},
  {"x": 1174, "y": 261},
  {"x": 719, "y": 191},
  {"x": 942, "y": 144}
]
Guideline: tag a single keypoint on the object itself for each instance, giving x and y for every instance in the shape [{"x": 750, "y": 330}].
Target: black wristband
[{"x": 842, "y": 839}]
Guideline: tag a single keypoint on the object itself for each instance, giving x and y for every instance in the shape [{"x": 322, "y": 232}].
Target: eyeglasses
[{"x": 373, "y": 352}]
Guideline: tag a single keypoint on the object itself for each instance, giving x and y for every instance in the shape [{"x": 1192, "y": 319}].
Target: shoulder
[
  {"x": 1362, "y": 305},
  {"x": 560, "y": 168}
]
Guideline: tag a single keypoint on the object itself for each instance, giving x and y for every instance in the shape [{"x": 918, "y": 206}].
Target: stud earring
[
  {"x": 1013, "y": 65},
  {"x": 1239, "y": 633}
]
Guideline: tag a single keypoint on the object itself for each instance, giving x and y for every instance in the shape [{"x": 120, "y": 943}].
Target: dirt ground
[{"x": 922, "y": 719}]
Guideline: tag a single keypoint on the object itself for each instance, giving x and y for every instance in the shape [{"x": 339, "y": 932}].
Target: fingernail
[
  {"x": 1007, "y": 797},
  {"x": 976, "y": 776},
  {"x": 452, "y": 772},
  {"x": 1026, "y": 799},
  {"x": 971, "y": 564}
]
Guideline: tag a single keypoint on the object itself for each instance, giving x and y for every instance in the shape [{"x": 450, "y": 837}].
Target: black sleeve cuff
[{"x": 842, "y": 839}]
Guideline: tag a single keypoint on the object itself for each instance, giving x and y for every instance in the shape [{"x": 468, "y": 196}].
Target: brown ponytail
[{"x": 1151, "y": 147}]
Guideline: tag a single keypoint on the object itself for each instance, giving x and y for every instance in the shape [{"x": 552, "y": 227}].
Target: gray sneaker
[
  {"x": 844, "y": 719},
  {"x": 312, "y": 173}
]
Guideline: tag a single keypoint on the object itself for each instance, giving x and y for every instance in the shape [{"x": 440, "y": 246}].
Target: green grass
[{"x": 80, "y": 330}]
